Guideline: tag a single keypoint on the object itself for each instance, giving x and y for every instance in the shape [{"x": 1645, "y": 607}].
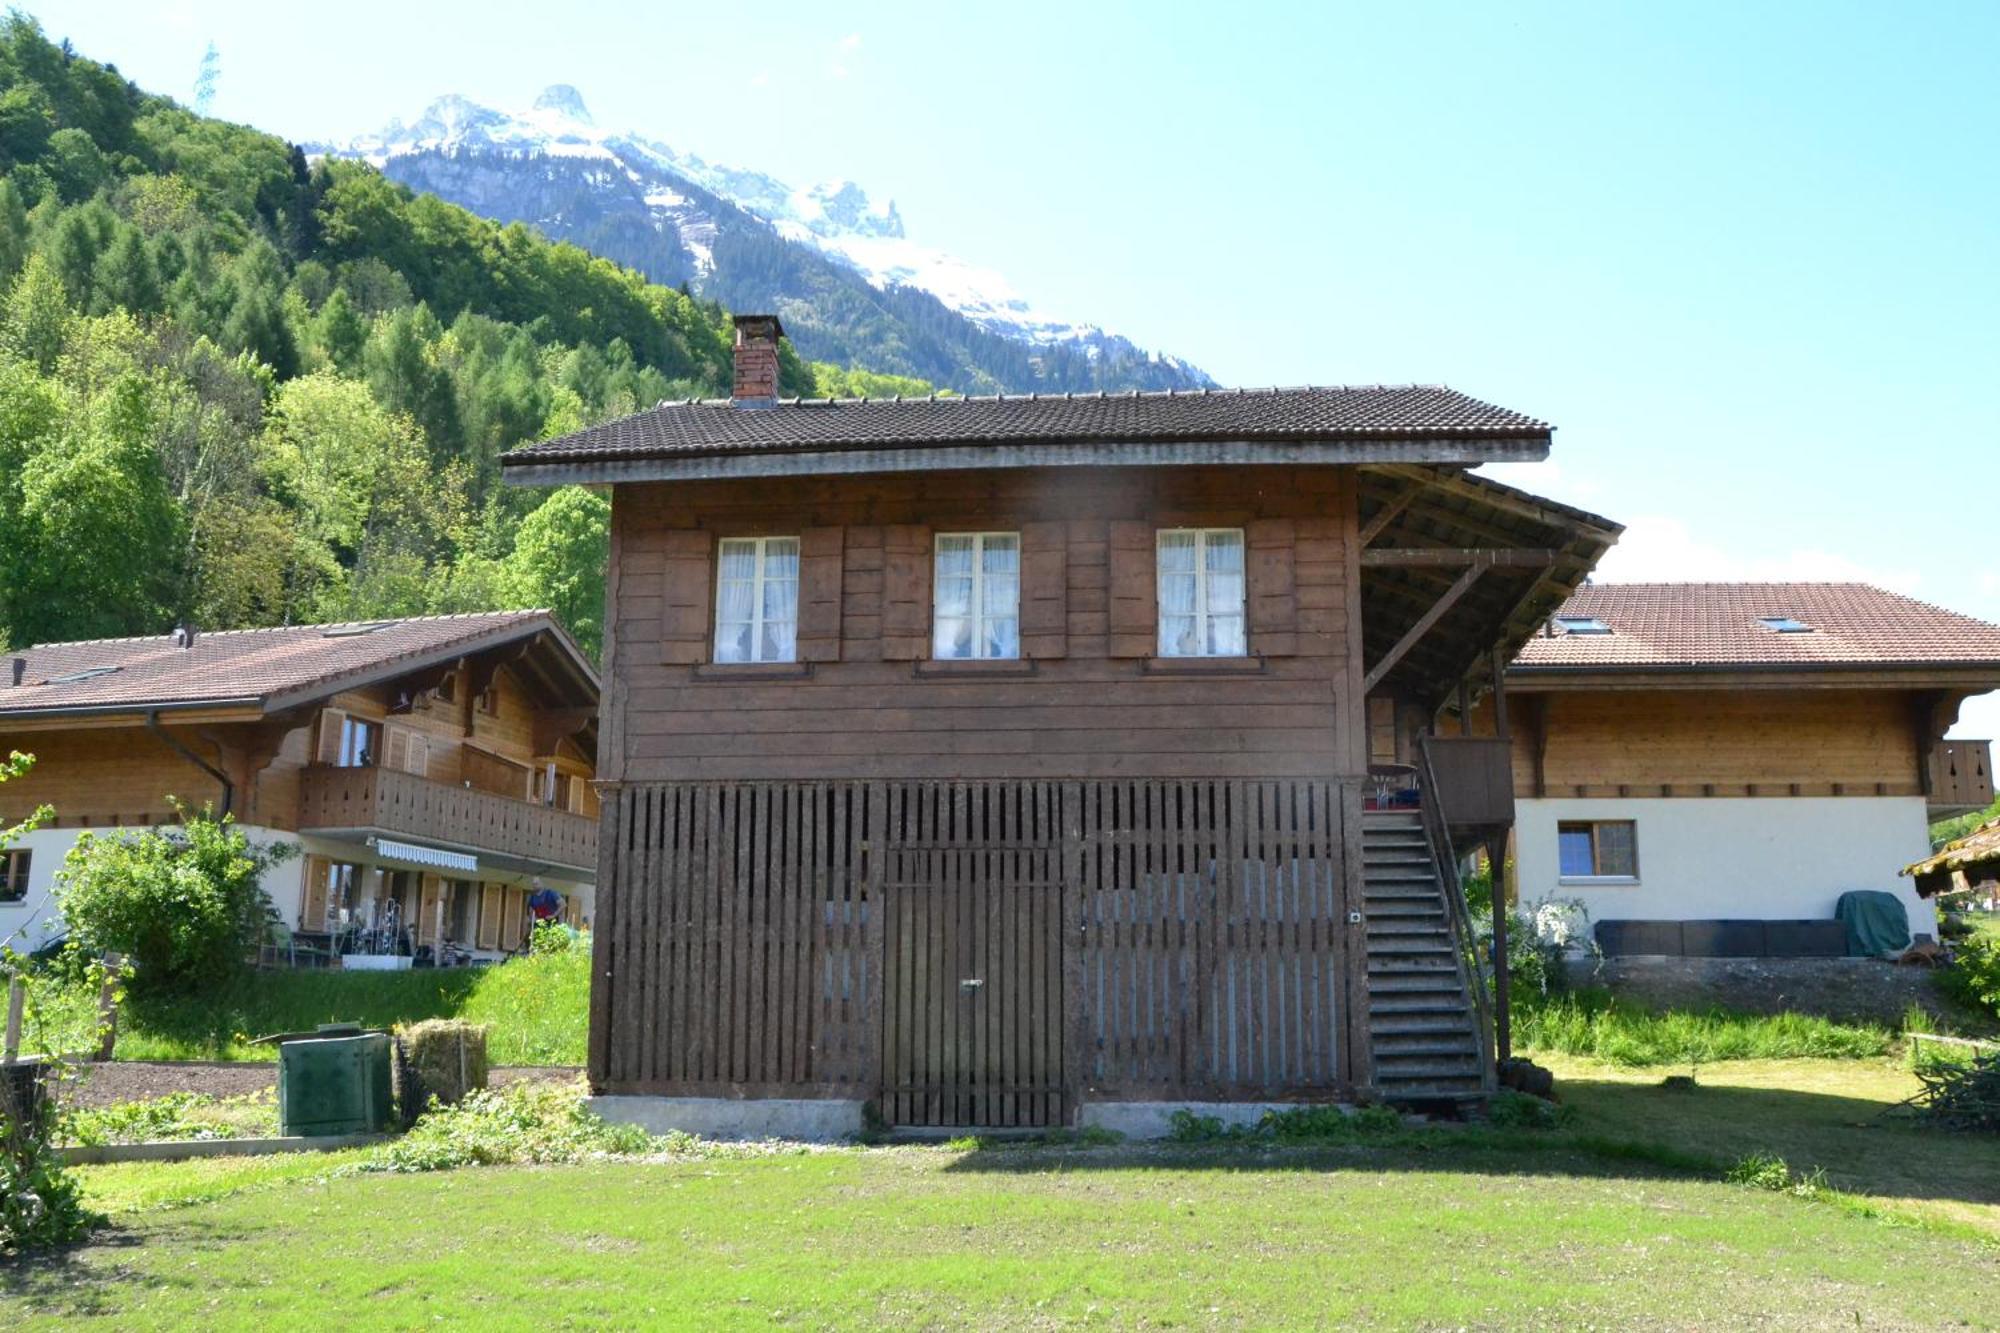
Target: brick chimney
[{"x": 756, "y": 382}]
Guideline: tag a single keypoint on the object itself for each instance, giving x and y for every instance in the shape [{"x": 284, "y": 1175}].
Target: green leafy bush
[
  {"x": 185, "y": 904},
  {"x": 1973, "y": 979},
  {"x": 174, "y": 1117},
  {"x": 1518, "y": 1110},
  {"x": 1767, "y": 1171},
  {"x": 527, "y": 1123},
  {"x": 1294, "y": 1125},
  {"x": 553, "y": 937}
]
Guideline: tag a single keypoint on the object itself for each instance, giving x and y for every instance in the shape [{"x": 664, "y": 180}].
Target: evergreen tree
[
  {"x": 14, "y": 236},
  {"x": 124, "y": 277},
  {"x": 38, "y": 315},
  {"x": 339, "y": 331}
]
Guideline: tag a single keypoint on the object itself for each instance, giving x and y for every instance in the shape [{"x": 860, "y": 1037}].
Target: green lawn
[
  {"x": 1621, "y": 1219},
  {"x": 537, "y": 1008}
]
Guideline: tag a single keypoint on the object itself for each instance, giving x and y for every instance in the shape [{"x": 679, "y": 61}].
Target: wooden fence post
[
  {"x": 107, "y": 1007},
  {"x": 17, "y": 995}
]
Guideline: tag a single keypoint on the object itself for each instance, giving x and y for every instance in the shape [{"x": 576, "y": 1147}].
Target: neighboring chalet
[
  {"x": 440, "y": 764},
  {"x": 1709, "y": 766},
  {"x": 1003, "y": 761}
]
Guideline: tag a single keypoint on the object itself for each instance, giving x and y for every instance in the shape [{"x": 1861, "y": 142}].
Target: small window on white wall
[
  {"x": 1201, "y": 592},
  {"x": 757, "y": 600},
  {"x": 976, "y": 611},
  {"x": 1597, "y": 849}
]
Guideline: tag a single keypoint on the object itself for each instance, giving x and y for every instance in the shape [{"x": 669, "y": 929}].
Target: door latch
[{"x": 971, "y": 983}]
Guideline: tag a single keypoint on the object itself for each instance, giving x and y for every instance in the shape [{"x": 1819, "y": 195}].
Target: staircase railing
[{"x": 1472, "y": 965}]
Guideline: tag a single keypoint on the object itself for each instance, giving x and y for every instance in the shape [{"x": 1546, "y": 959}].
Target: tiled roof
[
  {"x": 1358, "y": 412},
  {"x": 1718, "y": 625},
  {"x": 238, "y": 664}
]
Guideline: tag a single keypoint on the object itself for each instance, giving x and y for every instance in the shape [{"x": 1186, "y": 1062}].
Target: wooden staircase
[{"x": 1422, "y": 1016}]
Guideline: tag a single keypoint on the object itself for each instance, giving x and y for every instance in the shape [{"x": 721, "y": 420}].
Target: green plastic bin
[{"x": 334, "y": 1085}]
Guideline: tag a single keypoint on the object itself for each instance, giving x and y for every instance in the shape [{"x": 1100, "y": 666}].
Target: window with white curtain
[
  {"x": 976, "y": 607},
  {"x": 757, "y": 600},
  {"x": 1201, "y": 592}
]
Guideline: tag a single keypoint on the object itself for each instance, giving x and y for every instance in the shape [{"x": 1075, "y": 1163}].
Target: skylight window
[
  {"x": 89, "y": 673},
  {"x": 350, "y": 631},
  {"x": 1582, "y": 625},
  {"x": 1784, "y": 625}
]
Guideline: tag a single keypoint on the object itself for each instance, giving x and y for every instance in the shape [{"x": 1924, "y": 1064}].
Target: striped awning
[{"x": 417, "y": 854}]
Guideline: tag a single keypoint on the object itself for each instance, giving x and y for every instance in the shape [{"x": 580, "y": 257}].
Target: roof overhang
[
  {"x": 565, "y": 671},
  {"x": 969, "y": 455},
  {"x": 1534, "y": 551},
  {"x": 1973, "y": 676}
]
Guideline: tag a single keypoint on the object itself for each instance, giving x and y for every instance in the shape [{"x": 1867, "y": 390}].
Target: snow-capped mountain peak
[
  {"x": 564, "y": 101},
  {"x": 486, "y": 159}
]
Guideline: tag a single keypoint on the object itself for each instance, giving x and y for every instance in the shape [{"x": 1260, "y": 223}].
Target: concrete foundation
[
  {"x": 809, "y": 1120},
  {"x": 1154, "y": 1120}
]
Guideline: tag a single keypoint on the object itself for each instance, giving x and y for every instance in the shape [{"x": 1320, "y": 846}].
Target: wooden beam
[
  {"x": 1422, "y": 557},
  {"x": 1422, "y": 627},
  {"x": 1387, "y": 515},
  {"x": 1500, "y": 692}
]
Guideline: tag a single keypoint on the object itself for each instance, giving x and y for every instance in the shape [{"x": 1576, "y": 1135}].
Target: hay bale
[{"x": 445, "y": 1058}]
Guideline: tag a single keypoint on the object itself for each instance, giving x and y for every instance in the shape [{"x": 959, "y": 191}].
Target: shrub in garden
[
  {"x": 1973, "y": 979},
  {"x": 186, "y": 905},
  {"x": 523, "y": 1124}
]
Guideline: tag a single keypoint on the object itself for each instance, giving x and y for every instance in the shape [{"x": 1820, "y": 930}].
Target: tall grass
[
  {"x": 538, "y": 1008},
  {"x": 1591, "y": 1023}
]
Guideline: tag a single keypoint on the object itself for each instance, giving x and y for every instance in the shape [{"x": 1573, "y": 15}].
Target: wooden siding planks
[{"x": 975, "y": 953}]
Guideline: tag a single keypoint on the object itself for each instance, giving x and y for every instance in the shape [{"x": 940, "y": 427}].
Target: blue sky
[{"x": 1744, "y": 256}]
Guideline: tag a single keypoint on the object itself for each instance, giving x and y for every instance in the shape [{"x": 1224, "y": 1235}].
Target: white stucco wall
[
  {"x": 1777, "y": 858},
  {"x": 26, "y": 925}
]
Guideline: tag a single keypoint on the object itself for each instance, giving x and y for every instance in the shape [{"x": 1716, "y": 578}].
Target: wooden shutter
[
  {"x": 1044, "y": 590},
  {"x": 419, "y": 756},
  {"x": 1271, "y": 586},
  {"x": 489, "y": 916},
  {"x": 906, "y": 592},
  {"x": 510, "y": 923},
  {"x": 820, "y": 558},
  {"x": 312, "y": 903},
  {"x": 687, "y": 592},
  {"x": 1135, "y": 624},
  {"x": 427, "y": 910},
  {"x": 331, "y": 721}
]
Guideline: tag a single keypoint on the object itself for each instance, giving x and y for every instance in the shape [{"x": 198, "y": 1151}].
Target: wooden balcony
[
  {"x": 385, "y": 800},
  {"x": 1961, "y": 777},
  {"x": 1474, "y": 781}
]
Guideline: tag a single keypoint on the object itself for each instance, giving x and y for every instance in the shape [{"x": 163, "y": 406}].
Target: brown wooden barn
[{"x": 998, "y": 761}]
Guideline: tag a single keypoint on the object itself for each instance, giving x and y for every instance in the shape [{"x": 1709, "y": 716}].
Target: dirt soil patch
[{"x": 135, "y": 1080}]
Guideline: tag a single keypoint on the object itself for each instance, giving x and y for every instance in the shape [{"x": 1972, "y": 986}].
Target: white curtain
[
  {"x": 952, "y": 611},
  {"x": 757, "y": 600},
  {"x": 1223, "y": 562},
  {"x": 1000, "y": 596},
  {"x": 780, "y": 599},
  {"x": 1180, "y": 616}
]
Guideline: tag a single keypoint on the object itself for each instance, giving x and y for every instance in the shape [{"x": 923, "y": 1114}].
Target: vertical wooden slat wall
[{"x": 976, "y": 953}]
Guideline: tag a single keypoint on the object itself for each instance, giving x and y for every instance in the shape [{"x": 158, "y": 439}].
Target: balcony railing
[
  {"x": 398, "y": 802},
  {"x": 1961, "y": 776}
]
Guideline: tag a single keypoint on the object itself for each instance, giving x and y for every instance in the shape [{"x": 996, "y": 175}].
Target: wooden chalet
[
  {"x": 991, "y": 760},
  {"x": 1708, "y": 767},
  {"x": 438, "y": 764}
]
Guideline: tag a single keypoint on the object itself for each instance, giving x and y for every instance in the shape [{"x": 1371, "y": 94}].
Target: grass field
[
  {"x": 1621, "y": 1219},
  {"x": 537, "y": 1008}
]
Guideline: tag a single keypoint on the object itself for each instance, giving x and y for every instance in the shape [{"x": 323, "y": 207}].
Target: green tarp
[{"x": 1877, "y": 925}]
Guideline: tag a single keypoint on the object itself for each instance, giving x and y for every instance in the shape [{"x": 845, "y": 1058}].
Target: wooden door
[{"x": 973, "y": 960}]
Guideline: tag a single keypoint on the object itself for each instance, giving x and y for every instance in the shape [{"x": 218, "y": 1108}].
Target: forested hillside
[{"x": 242, "y": 390}]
